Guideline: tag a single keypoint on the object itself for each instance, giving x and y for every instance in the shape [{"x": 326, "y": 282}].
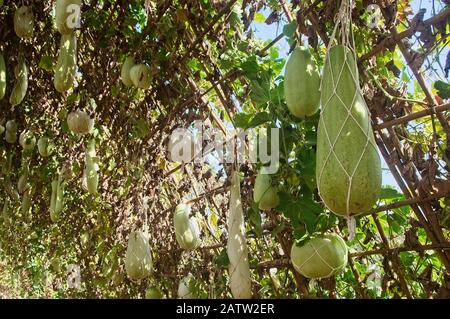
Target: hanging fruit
[
  {"x": 11, "y": 131},
  {"x": 264, "y": 193},
  {"x": 2, "y": 76},
  {"x": 141, "y": 76},
  {"x": 138, "y": 258},
  {"x": 348, "y": 168},
  {"x": 302, "y": 84},
  {"x": 45, "y": 146},
  {"x": 66, "y": 66},
  {"x": 57, "y": 198},
  {"x": 24, "y": 22},
  {"x": 125, "y": 71},
  {"x": 187, "y": 230},
  {"x": 320, "y": 257},
  {"x": 79, "y": 122},
  {"x": 91, "y": 168},
  {"x": 184, "y": 288},
  {"x": 27, "y": 140},
  {"x": 21, "y": 86},
  {"x": 239, "y": 268}
]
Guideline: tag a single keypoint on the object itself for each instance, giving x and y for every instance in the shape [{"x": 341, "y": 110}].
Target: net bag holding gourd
[
  {"x": 348, "y": 167},
  {"x": 320, "y": 257}
]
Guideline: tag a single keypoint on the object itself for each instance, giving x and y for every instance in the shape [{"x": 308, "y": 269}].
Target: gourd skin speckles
[
  {"x": 264, "y": 193},
  {"x": 138, "y": 258},
  {"x": 24, "y": 22},
  {"x": 187, "y": 230},
  {"x": 301, "y": 84},
  {"x": 322, "y": 256},
  {"x": 345, "y": 145}
]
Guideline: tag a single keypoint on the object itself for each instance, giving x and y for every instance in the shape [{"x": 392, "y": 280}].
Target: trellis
[{"x": 194, "y": 41}]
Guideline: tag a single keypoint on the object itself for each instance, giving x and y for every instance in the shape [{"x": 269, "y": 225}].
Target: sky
[{"x": 269, "y": 32}]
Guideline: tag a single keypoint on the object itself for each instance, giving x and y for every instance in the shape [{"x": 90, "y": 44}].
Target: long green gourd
[
  {"x": 348, "y": 168},
  {"x": 65, "y": 70},
  {"x": 2, "y": 76}
]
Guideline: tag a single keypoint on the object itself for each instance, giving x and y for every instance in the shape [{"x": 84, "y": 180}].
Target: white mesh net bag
[{"x": 348, "y": 168}]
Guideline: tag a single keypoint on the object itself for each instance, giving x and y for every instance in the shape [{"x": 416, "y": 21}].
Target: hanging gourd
[
  {"x": 187, "y": 231},
  {"x": 57, "y": 198},
  {"x": 45, "y": 146},
  {"x": 27, "y": 140},
  {"x": 21, "y": 85},
  {"x": 2, "y": 76},
  {"x": 23, "y": 179},
  {"x": 320, "y": 257},
  {"x": 66, "y": 66},
  {"x": 138, "y": 258},
  {"x": 239, "y": 269},
  {"x": 184, "y": 287},
  {"x": 24, "y": 22},
  {"x": 91, "y": 168},
  {"x": 79, "y": 122},
  {"x": 11, "y": 131},
  {"x": 141, "y": 76},
  {"x": 125, "y": 71},
  {"x": 264, "y": 193},
  {"x": 348, "y": 168},
  {"x": 67, "y": 15},
  {"x": 302, "y": 84}
]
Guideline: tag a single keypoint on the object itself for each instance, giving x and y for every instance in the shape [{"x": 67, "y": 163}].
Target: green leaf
[
  {"x": 388, "y": 192},
  {"x": 46, "y": 63},
  {"x": 255, "y": 219},
  {"x": 258, "y": 119},
  {"x": 443, "y": 89},
  {"x": 241, "y": 120},
  {"x": 289, "y": 29},
  {"x": 222, "y": 260}
]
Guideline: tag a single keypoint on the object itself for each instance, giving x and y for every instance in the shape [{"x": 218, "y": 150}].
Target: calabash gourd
[
  {"x": 141, "y": 76},
  {"x": 184, "y": 290},
  {"x": 24, "y": 22},
  {"x": 23, "y": 179},
  {"x": 27, "y": 140},
  {"x": 21, "y": 85},
  {"x": 348, "y": 168},
  {"x": 66, "y": 66},
  {"x": 138, "y": 258},
  {"x": 79, "y": 122},
  {"x": 45, "y": 146},
  {"x": 264, "y": 193},
  {"x": 187, "y": 231},
  {"x": 26, "y": 203},
  {"x": 2, "y": 76},
  {"x": 238, "y": 269},
  {"x": 66, "y": 15},
  {"x": 302, "y": 84},
  {"x": 125, "y": 71},
  {"x": 320, "y": 257},
  {"x": 11, "y": 132},
  {"x": 91, "y": 168},
  {"x": 57, "y": 199}
]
